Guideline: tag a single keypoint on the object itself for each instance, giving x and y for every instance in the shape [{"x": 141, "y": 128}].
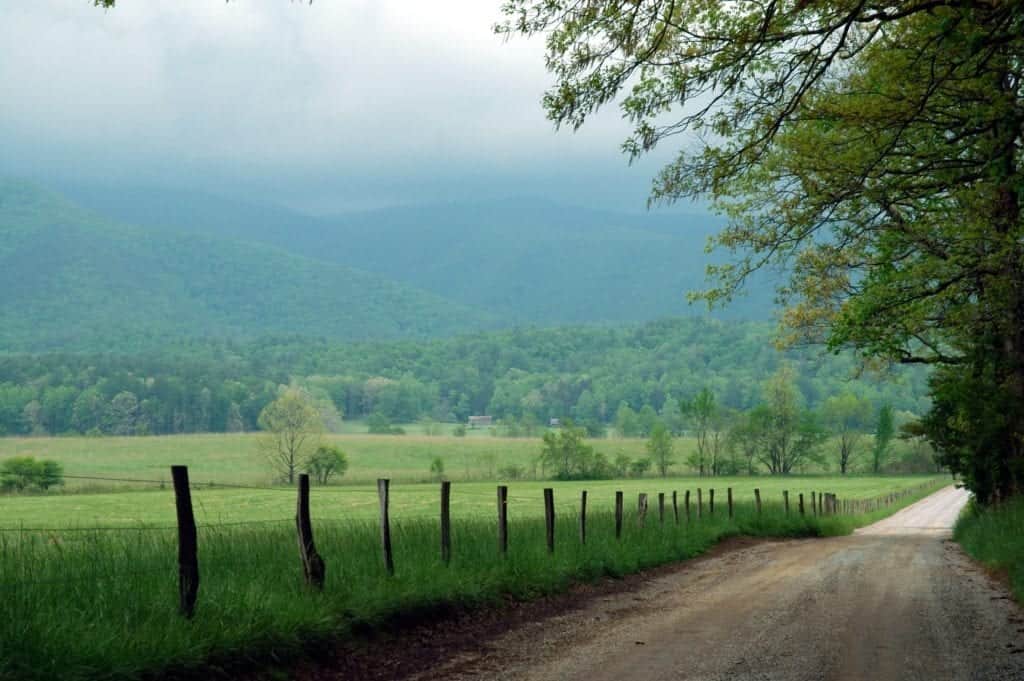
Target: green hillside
[
  {"x": 73, "y": 280},
  {"x": 527, "y": 260}
]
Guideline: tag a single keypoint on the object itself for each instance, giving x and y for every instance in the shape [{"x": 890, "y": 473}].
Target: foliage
[
  {"x": 327, "y": 461},
  {"x": 790, "y": 436},
  {"x": 906, "y": 240},
  {"x": 380, "y": 424},
  {"x": 566, "y": 453},
  {"x": 884, "y": 432},
  {"x": 639, "y": 467},
  {"x": 660, "y": 449},
  {"x": 847, "y": 416},
  {"x": 23, "y": 473},
  {"x": 437, "y": 468},
  {"x": 292, "y": 427}
]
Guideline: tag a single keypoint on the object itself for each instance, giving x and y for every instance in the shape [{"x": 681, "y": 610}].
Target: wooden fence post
[
  {"x": 801, "y": 503},
  {"x": 700, "y": 503},
  {"x": 757, "y": 499},
  {"x": 728, "y": 495},
  {"x": 641, "y": 509},
  {"x": 675, "y": 507},
  {"x": 383, "y": 486},
  {"x": 661, "y": 508},
  {"x": 549, "y": 517},
  {"x": 503, "y": 519},
  {"x": 711, "y": 501},
  {"x": 785, "y": 500},
  {"x": 618, "y": 515},
  {"x": 583, "y": 517},
  {"x": 814, "y": 504},
  {"x": 188, "y": 548},
  {"x": 312, "y": 563},
  {"x": 446, "y": 522}
]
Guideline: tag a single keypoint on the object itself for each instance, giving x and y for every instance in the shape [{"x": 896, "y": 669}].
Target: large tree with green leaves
[{"x": 872, "y": 148}]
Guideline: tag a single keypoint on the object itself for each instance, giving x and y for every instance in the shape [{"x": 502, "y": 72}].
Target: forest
[{"x": 596, "y": 376}]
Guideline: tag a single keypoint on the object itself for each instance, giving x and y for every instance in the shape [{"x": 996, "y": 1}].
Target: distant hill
[
  {"x": 74, "y": 280},
  {"x": 524, "y": 260}
]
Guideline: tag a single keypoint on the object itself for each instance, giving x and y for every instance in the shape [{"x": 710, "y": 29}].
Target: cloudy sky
[{"x": 332, "y": 106}]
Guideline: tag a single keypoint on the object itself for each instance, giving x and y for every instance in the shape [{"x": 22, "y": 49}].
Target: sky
[{"x": 334, "y": 106}]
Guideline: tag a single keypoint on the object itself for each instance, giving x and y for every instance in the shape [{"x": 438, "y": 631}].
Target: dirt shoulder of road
[{"x": 406, "y": 646}]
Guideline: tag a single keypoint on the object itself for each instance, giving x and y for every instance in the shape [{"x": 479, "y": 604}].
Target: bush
[
  {"x": 326, "y": 461},
  {"x": 437, "y": 468},
  {"x": 23, "y": 473},
  {"x": 639, "y": 467},
  {"x": 459, "y": 430},
  {"x": 511, "y": 472},
  {"x": 379, "y": 424}
]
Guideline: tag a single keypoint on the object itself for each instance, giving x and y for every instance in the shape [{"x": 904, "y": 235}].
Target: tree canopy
[{"x": 872, "y": 148}]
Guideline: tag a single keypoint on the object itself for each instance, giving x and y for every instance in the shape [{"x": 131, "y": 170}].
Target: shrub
[
  {"x": 326, "y": 461},
  {"x": 22, "y": 473}
]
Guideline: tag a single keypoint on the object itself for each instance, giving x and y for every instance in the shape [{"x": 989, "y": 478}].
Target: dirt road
[{"x": 897, "y": 601}]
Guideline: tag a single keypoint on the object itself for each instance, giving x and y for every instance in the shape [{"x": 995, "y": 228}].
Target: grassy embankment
[
  {"x": 996, "y": 538},
  {"x": 100, "y": 604}
]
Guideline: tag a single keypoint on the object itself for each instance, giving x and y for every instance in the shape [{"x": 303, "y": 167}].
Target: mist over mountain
[{"x": 524, "y": 260}]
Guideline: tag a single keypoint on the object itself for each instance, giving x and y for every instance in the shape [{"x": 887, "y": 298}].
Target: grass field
[
  {"x": 155, "y": 507},
  {"x": 236, "y": 458},
  {"x": 101, "y": 604}
]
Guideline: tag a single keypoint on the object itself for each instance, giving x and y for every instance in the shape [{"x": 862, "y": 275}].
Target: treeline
[{"x": 626, "y": 378}]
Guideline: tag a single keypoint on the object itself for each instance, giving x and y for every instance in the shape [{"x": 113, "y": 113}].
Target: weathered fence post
[
  {"x": 728, "y": 495},
  {"x": 583, "y": 517},
  {"x": 711, "y": 501},
  {"x": 814, "y": 504},
  {"x": 661, "y": 508},
  {"x": 801, "y": 503},
  {"x": 446, "y": 522},
  {"x": 549, "y": 517},
  {"x": 785, "y": 500},
  {"x": 618, "y": 515},
  {"x": 383, "y": 487},
  {"x": 312, "y": 563},
  {"x": 188, "y": 549},
  {"x": 757, "y": 499},
  {"x": 503, "y": 519},
  {"x": 700, "y": 504},
  {"x": 675, "y": 507},
  {"x": 641, "y": 509}
]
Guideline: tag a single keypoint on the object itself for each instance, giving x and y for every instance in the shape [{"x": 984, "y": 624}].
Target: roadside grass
[
  {"x": 101, "y": 604},
  {"x": 995, "y": 537}
]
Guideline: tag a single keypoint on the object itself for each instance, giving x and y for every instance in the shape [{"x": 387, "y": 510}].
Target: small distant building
[
  {"x": 555, "y": 423},
  {"x": 480, "y": 421}
]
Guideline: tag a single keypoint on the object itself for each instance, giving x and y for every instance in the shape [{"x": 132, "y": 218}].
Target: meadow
[{"x": 101, "y": 604}]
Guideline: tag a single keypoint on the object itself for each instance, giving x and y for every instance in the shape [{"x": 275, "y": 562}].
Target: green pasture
[
  {"x": 218, "y": 505},
  {"x": 101, "y": 604},
  {"x": 236, "y": 458}
]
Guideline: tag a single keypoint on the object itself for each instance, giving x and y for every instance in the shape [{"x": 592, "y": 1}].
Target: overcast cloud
[{"x": 339, "y": 104}]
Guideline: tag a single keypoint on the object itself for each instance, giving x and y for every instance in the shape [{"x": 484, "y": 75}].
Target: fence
[
  {"x": 695, "y": 509},
  {"x": 822, "y": 504}
]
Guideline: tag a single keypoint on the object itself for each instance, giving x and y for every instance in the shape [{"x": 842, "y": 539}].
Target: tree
[
  {"x": 701, "y": 411},
  {"x": 884, "y": 431},
  {"x": 22, "y": 473},
  {"x": 437, "y": 468},
  {"x": 790, "y": 435},
  {"x": 846, "y": 416},
  {"x": 746, "y": 437},
  {"x": 292, "y": 428},
  {"x": 327, "y": 461},
  {"x": 566, "y": 453},
  {"x": 639, "y": 467},
  {"x": 659, "y": 448},
  {"x": 904, "y": 240}
]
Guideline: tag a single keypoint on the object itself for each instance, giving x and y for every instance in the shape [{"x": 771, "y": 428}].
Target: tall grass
[
  {"x": 995, "y": 536},
  {"x": 102, "y": 604}
]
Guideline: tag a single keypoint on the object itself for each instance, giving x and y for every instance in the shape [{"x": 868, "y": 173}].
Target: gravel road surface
[{"x": 896, "y": 601}]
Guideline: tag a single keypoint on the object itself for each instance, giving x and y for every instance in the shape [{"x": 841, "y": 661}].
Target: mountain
[
  {"x": 72, "y": 279},
  {"x": 523, "y": 260}
]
